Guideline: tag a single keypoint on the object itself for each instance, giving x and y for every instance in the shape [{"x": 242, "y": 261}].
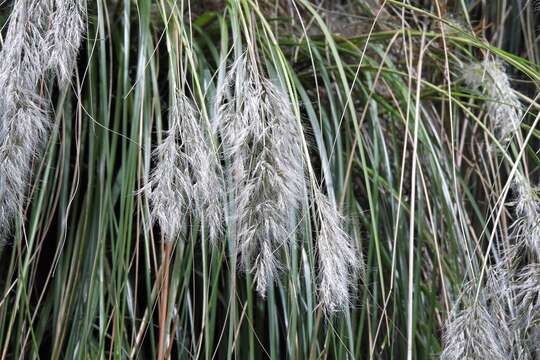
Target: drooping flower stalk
[
  {"x": 504, "y": 321},
  {"x": 474, "y": 334},
  {"x": 526, "y": 290},
  {"x": 339, "y": 262},
  {"x": 261, "y": 141},
  {"x": 39, "y": 34},
  {"x": 483, "y": 327}
]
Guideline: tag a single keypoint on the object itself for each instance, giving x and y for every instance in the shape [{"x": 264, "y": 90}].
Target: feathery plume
[
  {"x": 261, "y": 141},
  {"x": 22, "y": 133},
  {"x": 526, "y": 288},
  {"x": 204, "y": 167},
  {"x": 26, "y": 49},
  {"x": 504, "y": 108},
  {"x": 505, "y": 320},
  {"x": 187, "y": 173},
  {"x": 483, "y": 328},
  {"x": 500, "y": 324},
  {"x": 23, "y": 113},
  {"x": 170, "y": 183},
  {"x": 339, "y": 262},
  {"x": 67, "y": 29},
  {"x": 527, "y": 226},
  {"x": 473, "y": 333}
]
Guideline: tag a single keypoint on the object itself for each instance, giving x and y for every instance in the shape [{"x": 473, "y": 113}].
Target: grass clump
[{"x": 269, "y": 179}]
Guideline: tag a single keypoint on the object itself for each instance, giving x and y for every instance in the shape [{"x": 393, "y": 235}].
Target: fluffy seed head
[
  {"x": 23, "y": 133},
  {"x": 26, "y": 49},
  {"x": 170, "y": 184},
  {"x": 526, "y": 290},
  {"x": 339, "y": 262},
  {"x": 473, "y": 333},
  {"x": 204, "y": 167},
  {"x": 503, "y": 106},
  {"x": 23, "y": 116},
  {"x": 261, "y": 140},
  {"x": 482, "y": 328},
  {"x": 527, "y": 226},
  {"x": 67, "y": 29},
  {"x": 502, "y": 323},
  {"x": 187, "y": 173}
]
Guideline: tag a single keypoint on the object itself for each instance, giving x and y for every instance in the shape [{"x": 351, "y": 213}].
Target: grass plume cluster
[
  {"x": 499, "y": 320},
  {"x": 339, "y": 262},
  {"x": 170, "y": 183},
  {"x": 37, "y": 34},
  {"x": 269, "y": 179},
  {"x": 187, "y": 174},
  {"x": 261, "y": 142},
  {"x": 65, "y": 33},
  {"x": 503, "y": 106}
]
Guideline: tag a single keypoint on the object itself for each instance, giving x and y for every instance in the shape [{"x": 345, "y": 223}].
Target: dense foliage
[{"x": 398, "y": 143}]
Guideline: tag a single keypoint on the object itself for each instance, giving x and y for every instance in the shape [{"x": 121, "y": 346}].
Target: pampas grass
[
  {"x": 170, "y": 184},
  {"x": 186, "y": 179},
  {"x": 483, "y": 330},
  {"x": 306, "y": 172},
  {"x": 261, "y": 142},
  {"x": 339, "y": 262},
  {"x": 483, "y": 327},
  {"x": 34, "y": 39},
  {"x": 204, "y": 167},
  {"x": 526, "y": 290},
  {"x": 503, "y": 106},
  {"x": 503, "y": 322},
  {"x": 65, "y": 35},
  {"x": 475, "y": 334},
  {"x": 527, "y": 225},
  {"x": 23, "y": 111}
]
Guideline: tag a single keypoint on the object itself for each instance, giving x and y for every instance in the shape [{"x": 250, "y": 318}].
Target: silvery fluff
[
  {"x": 187, "y": 174},
  {"x": 339, "y": 261},
  {"x": 261, "y": 144},
  {"x": 24, "y": 120},
  {"x": 503, "y": 106}
]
